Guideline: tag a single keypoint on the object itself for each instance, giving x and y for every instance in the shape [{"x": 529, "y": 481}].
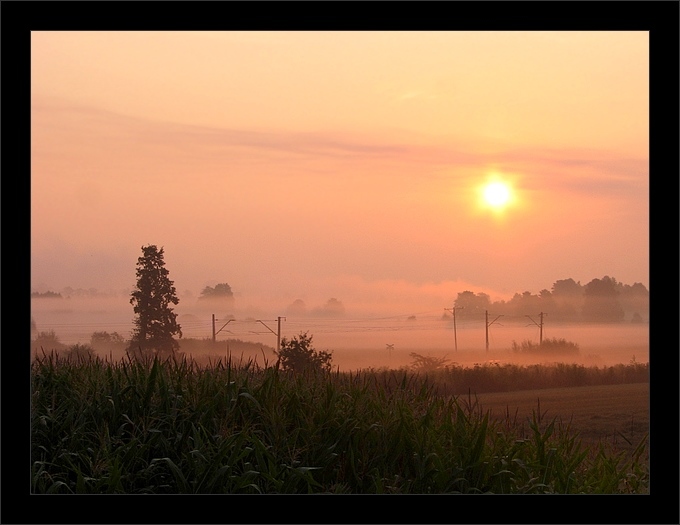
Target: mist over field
[{"x": 358, "y": 337}]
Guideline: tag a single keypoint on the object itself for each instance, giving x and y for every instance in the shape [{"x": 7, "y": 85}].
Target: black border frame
[{"x": 658, "y": 17}]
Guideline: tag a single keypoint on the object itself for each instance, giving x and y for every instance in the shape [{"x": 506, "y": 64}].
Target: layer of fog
[{"x": 357, "y": 341}]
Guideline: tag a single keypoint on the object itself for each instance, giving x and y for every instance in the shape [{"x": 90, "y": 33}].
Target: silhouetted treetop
[{"x": 219, "y": 291}]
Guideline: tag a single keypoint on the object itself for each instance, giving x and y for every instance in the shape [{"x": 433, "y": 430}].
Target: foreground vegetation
[{"x": 174, "y": 427}]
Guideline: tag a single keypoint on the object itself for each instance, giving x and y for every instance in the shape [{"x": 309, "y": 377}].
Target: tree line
[{"x": 600, "y": 300}]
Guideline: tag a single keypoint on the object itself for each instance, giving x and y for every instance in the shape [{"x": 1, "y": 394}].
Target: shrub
[
  {"x": 105, "y": 338},
  {"x": 428, "y": 363},
  {"x": 80, "y": 352},
  {"x": 48, "y": 341},
  {"x": 548, "y": 346},
  {"x": 298, "y": 355}
]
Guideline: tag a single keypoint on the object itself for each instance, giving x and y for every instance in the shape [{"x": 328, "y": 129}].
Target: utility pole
[
  {"x": 214, "y": 333},
  {"x": 488, "y": 324},
  {"x": 277, "y": 334},
  {"x": 390, "y": 348},
  {"x": 455, "y": 336},
  {"x": 540, "y": 327}
]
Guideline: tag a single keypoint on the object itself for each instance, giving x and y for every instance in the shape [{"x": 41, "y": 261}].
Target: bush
[
  {"x": 99, "y": 338},
  {"x": 548, "y": 346},
  {"x": 423, "y": 363},
  {"x": 79, "y": 352},
  {"x": 48, "y": 341},
  {"x": 298, "y": 355}
]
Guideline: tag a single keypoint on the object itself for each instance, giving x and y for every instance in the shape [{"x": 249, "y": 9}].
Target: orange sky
[{"x": 322, "y": 164}]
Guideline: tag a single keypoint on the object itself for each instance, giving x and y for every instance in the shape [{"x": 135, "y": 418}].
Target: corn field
[{"x": 174, "y": 427}]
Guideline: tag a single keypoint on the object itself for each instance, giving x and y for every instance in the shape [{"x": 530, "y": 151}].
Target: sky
[{"x": 351, "y": 165}]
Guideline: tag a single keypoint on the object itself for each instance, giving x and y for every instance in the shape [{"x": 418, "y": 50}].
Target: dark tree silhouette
[
  {"x": 567, "y": 288},
  {"x": 634, "y": 300},
  {"x": 298, "y": 355},
  {"x": 332, "y": 308},
  {"x": 297, "y": 307},
  {"x": 473, "y": 305},
  {"x": 220, "y": 291},
  {"x": 602, "y": 301},
  {"x": 567, "y": 295},
  {"x": 156, "y": 323}
]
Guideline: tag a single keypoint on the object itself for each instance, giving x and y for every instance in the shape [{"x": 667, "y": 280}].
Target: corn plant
[{"x": 173, "y": 427}]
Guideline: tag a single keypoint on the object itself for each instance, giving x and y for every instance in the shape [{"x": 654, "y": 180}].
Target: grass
[{"x": 175, "y": 427}]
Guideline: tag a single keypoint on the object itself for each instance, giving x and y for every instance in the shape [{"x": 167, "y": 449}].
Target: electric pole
[
  {"x": 488, "y": 324},
  {"x": 214, "y": 333},
  {"x": 455, "y": 336},
  {"x": 540, "y": 327},
  {"x": 277, "y": 334}
]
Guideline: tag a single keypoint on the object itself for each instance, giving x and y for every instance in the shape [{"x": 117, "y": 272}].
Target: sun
[{"x": 496, "y": 194}]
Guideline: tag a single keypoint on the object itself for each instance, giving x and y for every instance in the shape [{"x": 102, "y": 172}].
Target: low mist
[{"x": 357, "y": 341}]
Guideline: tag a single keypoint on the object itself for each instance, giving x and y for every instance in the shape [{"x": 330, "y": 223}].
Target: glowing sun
[{"x": 497, "y": 194}]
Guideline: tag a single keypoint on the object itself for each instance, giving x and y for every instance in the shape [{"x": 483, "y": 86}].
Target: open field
[{"x": 618, "y": 413}]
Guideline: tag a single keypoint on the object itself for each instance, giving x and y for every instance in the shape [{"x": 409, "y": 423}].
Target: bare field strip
[{"x": 596, "y": 412}]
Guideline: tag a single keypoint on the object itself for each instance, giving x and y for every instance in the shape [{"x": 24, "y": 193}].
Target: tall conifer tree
[{"x": 156, "y": 323}]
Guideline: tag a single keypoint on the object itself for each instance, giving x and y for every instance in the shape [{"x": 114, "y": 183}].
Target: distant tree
[
  {"x": 78, "y": 352},
  {"x": 634, "y": 300},
  {"x": 48, "y": 341},
  {"x": 156, "y": 323},
  {"x": 601, "y": 301},
  {"x": 567, "y": 288},
  {"x": 297, "y": 307},
  {"x": 472, "y": 304},
  {"x": 524, "y": 304},
  {"x": 219, "y": 291},
  {"x": 567, "y": 296},
  {"x": 332, "y": 308},
  {"x": 298, "y": 355},
  {"x": 46, "y": 295},
  {"x": 637, "y": 318},
  {"x": 99, "y": 338}
]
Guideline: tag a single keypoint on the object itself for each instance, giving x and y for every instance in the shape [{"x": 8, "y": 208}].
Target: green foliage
[
  {"x": 156, "y": 323},
  {"x": 298, "y": 355},
  {"x": 169, "y": 427}
]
